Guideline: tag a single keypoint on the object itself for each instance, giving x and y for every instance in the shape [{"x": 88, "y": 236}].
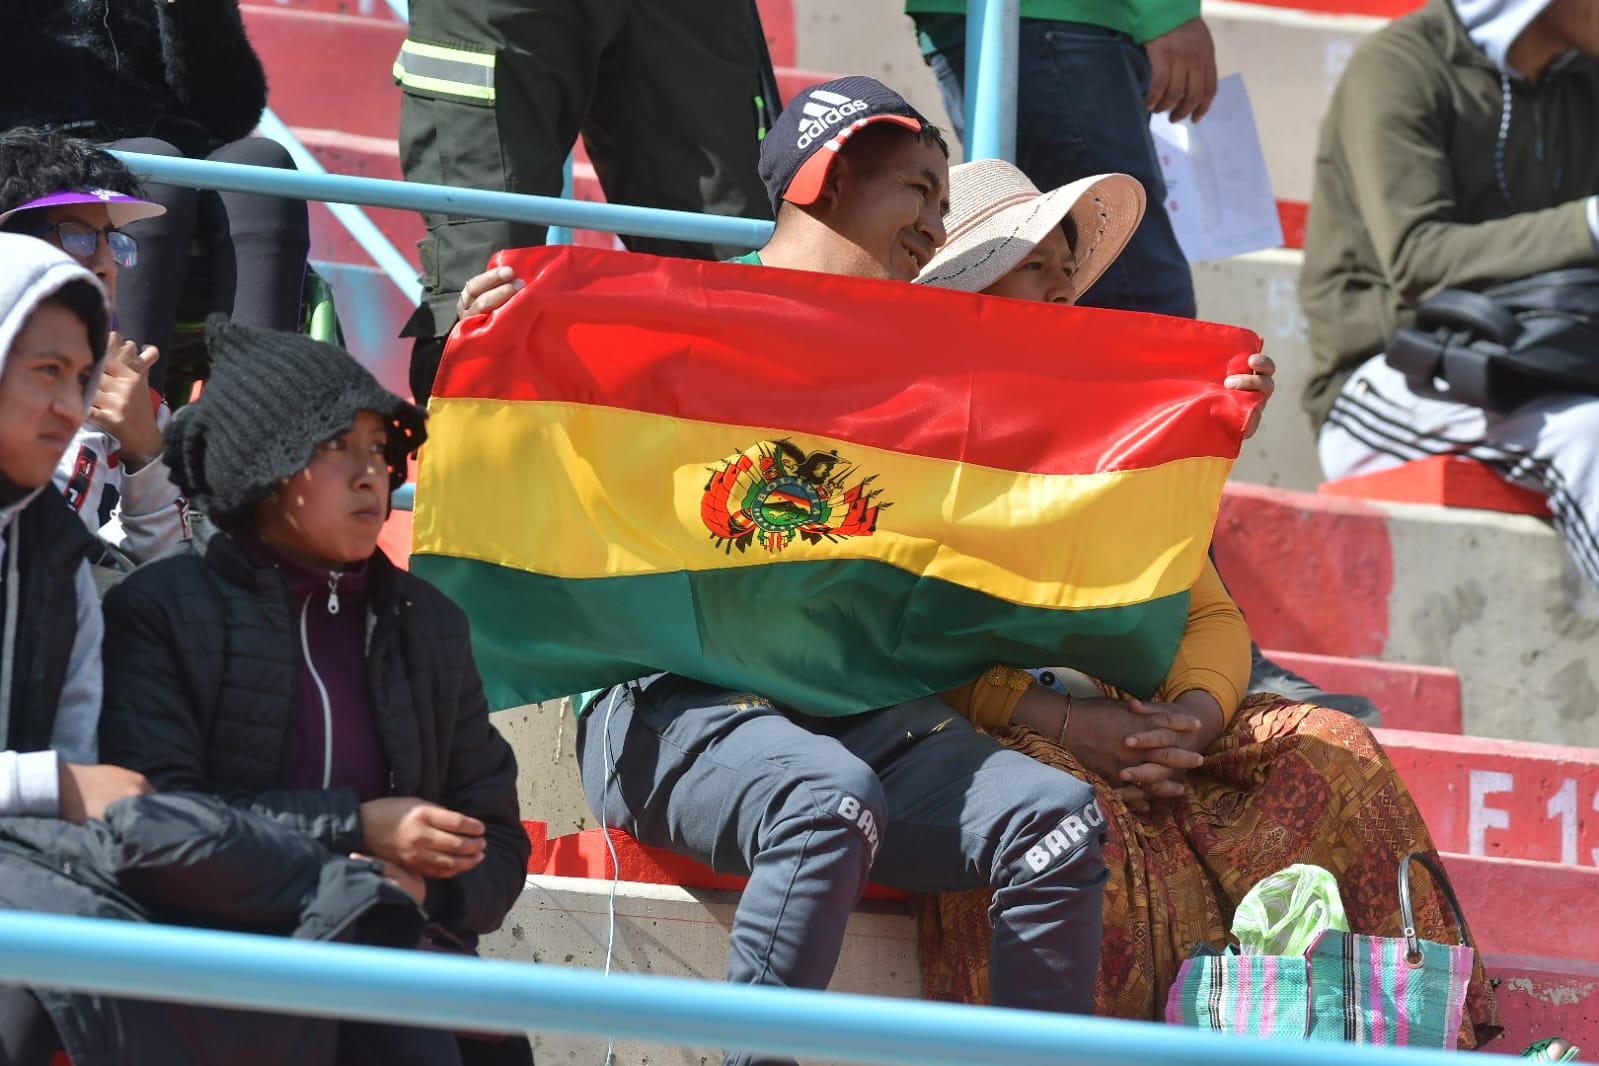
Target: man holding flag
[
  {"x": 777, "y": 765},
  {"x": 909, "y": 795}
]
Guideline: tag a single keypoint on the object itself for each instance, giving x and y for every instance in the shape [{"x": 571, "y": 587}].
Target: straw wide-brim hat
[{"x": 997, "y": 217}]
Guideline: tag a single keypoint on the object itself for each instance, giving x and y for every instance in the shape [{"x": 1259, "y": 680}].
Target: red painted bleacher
[
  {"x": 1421, "y": 698},
  {"x": 588, "y": 855},
  {"x": 1505, "y": 798},
  {"x": 1443, "y": 480}
]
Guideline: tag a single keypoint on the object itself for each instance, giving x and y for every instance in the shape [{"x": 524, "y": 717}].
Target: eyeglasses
[{"x": 80, "y": 241}]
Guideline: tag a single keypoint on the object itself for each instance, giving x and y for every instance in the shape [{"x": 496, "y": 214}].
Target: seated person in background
[
  {"x": 1460, "y": 149},
  {"x": 1229, "y": 789},
  {"x": 77, "y": 197},
  {"x": 176, "y": 79},
  {"x": 284, "y": 663}
]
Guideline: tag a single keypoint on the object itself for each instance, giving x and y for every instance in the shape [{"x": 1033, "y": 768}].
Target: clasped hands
[
  {"x": 1142, "y": 748},
  {"x": 415, "y": 841}
]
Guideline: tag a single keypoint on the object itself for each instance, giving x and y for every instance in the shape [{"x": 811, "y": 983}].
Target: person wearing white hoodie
[
  {"x": 52, "y": 333},
  {"x": 53, "y": 324},
  {"x": 1460, "y": 150}
]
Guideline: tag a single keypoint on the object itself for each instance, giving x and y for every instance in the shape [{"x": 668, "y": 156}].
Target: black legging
[
  {"x": 256, "y": 247},
  {"x": 27, "y": 1035}
]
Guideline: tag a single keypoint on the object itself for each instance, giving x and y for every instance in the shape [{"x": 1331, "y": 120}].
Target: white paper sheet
[{"x": 1218, "y": 193}]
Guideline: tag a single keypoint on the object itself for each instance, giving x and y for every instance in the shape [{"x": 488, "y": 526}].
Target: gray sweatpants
[
  {"x": 1380, "y": 420},
  {"x": 811, "y": 808}
]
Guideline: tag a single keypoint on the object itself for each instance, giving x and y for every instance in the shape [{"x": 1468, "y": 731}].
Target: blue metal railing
[
  {"x": 991, "y": 59},
  {"x": 444, "y": 199},
  {"x": 419, "y": 988}
]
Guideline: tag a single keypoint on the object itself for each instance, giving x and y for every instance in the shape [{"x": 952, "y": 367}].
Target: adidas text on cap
[{"x": 801, "y": 145}]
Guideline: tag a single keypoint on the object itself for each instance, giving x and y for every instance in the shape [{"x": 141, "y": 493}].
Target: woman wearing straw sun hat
[
  {"x": 1005, "y": 238},
  {"x": 1001, "y": 227},
  {"x": 1206, "y": 817}
]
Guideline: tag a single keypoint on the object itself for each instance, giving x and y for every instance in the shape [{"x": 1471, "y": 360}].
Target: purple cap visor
[{"x": 121, "y": 209}]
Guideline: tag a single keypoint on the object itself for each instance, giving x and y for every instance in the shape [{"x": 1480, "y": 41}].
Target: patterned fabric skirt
[{"x": 1286, "y": 783}]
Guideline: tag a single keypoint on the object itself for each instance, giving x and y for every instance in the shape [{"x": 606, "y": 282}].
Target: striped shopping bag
[{"x": 1359, "y": 989}]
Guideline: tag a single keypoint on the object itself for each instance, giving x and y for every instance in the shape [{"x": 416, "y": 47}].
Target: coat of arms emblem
[{"x": 776, "y": 491}]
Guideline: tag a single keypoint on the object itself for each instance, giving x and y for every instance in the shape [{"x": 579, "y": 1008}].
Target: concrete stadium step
[
  {"x": 1260, "y": 292},
  {"x": 1290, "y": 55},
  {"x": 664, "y": 929},
  {"x": 1291, "y": 61},
  {"x": 1489, "y": 595},
  {"x": 1505, "y": 798},
  {"x": 1419, "y": 698},
  {"x": 1519, "y": 907},
  {"x": 1444, "y": 480},
  {"x": 1541, "y": 997}
]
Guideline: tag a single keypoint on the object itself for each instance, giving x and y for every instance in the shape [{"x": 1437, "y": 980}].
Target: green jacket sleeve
[{"x": 1394, "y": 120}]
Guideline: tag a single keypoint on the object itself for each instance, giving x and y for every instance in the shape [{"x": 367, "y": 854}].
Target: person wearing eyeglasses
[{"x": 70, "y": 194}]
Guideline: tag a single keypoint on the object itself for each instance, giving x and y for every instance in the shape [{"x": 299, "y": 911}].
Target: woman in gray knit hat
[{"x": 283, "y": 660}]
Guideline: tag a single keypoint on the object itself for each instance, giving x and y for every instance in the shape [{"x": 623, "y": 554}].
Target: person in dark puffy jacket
[{"x": 282, "y": 661}]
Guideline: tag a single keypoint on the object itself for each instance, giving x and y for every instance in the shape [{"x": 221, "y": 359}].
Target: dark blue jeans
[{"x": 1080, "y": 111}]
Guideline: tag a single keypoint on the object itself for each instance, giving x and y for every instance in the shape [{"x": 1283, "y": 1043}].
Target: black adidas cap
[{"x": 801, "y": 145}]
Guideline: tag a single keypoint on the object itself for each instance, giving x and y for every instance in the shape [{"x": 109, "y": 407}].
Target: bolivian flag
[{"x": 836, "y": 493}]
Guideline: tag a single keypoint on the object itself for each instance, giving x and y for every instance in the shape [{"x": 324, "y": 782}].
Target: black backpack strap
[
  {"x": 1470, "y": 312},
  {"x": 1427, "y": 358},
  {"x": 1570, "y": 291}
]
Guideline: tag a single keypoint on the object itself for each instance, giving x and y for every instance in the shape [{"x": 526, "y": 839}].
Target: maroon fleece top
[{"x": 335, "y": 701}]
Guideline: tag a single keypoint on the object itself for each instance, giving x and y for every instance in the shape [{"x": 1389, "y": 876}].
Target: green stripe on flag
[{"x": 751, "y": 630}]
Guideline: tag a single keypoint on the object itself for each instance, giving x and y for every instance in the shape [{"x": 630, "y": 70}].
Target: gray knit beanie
[{"x": 271, "y": 399}]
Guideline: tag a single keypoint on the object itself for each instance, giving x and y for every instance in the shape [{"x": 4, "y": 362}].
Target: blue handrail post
[
  {"x": 992, "y": 29},
  {"x": 563, "y": 234}
]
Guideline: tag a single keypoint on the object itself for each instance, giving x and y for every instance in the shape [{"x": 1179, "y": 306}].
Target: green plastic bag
[{"x": 1285, "y": 913}]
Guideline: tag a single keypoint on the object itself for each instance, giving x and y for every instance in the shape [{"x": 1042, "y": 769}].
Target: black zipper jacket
[{"x": 202, "y": 683}]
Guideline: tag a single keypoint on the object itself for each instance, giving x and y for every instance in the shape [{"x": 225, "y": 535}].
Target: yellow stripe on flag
[{"x": 1096, "y": 540}]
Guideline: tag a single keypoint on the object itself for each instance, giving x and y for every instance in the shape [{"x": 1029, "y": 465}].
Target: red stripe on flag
[{"x": 1007, "y": 384}]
